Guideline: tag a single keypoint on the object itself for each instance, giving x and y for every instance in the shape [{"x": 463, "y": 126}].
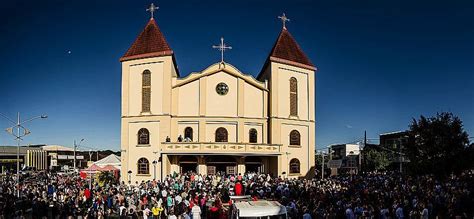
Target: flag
[{"x": 83, "y": 175}]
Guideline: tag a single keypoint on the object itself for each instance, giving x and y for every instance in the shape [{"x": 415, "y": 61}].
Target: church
[{"x": 217, "y": 120}]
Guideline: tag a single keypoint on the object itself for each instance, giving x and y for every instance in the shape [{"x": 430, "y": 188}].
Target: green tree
[
  {"x": 437, "y": 145},
  {"x": 106, "y": 177},
  {"x": 377, "y": 160}
]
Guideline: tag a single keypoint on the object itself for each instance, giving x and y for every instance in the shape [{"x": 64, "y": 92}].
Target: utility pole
[
  {"x": 400, "y": 155},
  {"x": 75, "y": 147},
  {"x": 90, "y": 175},
  {"x": 360, "y": 151},
  {"x": 322, "y": 165}
]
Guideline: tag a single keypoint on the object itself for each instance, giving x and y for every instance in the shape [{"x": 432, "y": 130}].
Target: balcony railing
[{"x": 220, "y": 147}]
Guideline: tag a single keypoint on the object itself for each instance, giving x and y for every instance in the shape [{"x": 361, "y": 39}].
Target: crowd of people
[{"x": 375, "y": 195}]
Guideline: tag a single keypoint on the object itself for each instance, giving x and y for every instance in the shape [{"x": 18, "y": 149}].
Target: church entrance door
[
  {"x": 221, "y": 164},
  {"x": 253, "y": 165},
  {"x": 188, "y": 164}
]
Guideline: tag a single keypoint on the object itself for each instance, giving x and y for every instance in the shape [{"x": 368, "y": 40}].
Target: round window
[{"x": 222, "y": 88}]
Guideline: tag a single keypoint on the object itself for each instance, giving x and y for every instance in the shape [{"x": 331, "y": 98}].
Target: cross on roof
[
  {"x": 222, "y": 47},
  {"x": 284, "y": 19},
  {"x": 152, "y": 9}
]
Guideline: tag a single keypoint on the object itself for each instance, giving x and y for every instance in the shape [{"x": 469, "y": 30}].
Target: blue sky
[{"x": 381, "y": 63}]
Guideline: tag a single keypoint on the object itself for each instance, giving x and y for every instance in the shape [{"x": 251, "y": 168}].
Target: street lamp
[
  {"x": 322, "y": 164},
  {"x": 129, "y": 176},
  {"x": 18, "y": 137},
  {"x": 75, "y": 146},
  {"x": 154, "y": 169},
  {"x": 288, "y": 166}
]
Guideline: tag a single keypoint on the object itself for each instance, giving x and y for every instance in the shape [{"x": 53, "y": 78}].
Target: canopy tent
[
  {"x": 93, "y": 169},
  {"x": 111, "y": 160},
  {"x": 110, "y": 168}
]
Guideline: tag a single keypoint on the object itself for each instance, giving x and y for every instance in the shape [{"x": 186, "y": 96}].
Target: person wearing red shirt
[
  {"x": 87, "y": 193},
  {"x": 238, "y": 188}
]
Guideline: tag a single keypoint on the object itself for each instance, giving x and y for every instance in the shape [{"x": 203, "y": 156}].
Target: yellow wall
[
  {"x": 192, "y": 101},
  {"x": 188, "y": 100}
]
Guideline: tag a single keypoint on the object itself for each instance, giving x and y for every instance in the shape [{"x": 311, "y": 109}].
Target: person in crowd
[{"x": 189, "y": 195}]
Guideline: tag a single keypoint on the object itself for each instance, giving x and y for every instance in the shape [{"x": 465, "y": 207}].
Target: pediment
[{"x": 221, "y": 68}]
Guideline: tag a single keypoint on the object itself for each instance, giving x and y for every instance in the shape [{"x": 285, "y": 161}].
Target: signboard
[{"x": 70, "y": 157}]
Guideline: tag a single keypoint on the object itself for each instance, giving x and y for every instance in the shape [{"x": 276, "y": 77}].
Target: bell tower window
[
  {"x": 146, "y": 91},
  {"x": 293, "y": 97}
]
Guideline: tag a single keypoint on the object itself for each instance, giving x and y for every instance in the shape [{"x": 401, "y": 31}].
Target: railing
[{"x": 220, "y": 147}]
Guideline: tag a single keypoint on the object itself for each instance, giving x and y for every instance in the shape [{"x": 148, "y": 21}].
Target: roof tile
[
  {"x": 286, "y": 48},
  {"x": 150, "y": 43}
]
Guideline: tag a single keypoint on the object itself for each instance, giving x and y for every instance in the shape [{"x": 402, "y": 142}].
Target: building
[
  {"x": 393, "y": 143},
  {"x": 27, "y": 155},
  {"x": 340, "y": 151},
  {"x": 61, "y": 158},
  {"x": 47, "y": 157},
  {"x": 8, "y": 157},
  {"x": 218, "y": 119},
  {"x": 346, "y": 157}
]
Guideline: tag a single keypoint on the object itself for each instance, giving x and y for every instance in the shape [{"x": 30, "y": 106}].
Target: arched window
[
  {"x": 294, "y": 166},
  {"x": 143, "y": 166},
  {"x": 221, "y": 135},
  {"x": 293, "y": 97},
  {"x": 253, "y": 136},
  {"x": 295, "y": 138},
  {"x": 143, "y": 136},
  {"x": 146, "y": 91},
  {"x": 188, "y": 133}
]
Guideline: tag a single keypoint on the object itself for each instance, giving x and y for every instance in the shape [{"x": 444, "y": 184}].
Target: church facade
[{"x": 218, "y": 119}]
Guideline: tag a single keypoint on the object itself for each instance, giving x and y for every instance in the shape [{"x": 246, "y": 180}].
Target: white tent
[{"x": 112, "y": 160}]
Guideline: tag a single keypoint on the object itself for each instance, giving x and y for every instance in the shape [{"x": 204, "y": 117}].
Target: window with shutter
[
  {"x": 143, "y": 166},
  {"x": 295, "y": 138},
  {"x": 146, "y": 91},
  {"x": 293, "y": 97},
  {"x": 294, "y": 166},
  {"x": 143, "y": 136}
]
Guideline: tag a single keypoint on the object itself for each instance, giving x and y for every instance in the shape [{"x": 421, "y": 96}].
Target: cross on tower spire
[
  {"x": 152, "y": 9},
  {"x": 283, "y": 19},
  {"x": 222, "y": 47}
]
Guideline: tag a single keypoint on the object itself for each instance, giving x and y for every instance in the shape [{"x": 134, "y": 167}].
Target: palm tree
[{"x": 106, "y": 177}]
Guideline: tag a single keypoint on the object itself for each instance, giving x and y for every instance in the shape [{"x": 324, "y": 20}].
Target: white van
[{"x": 258, "y": 210}]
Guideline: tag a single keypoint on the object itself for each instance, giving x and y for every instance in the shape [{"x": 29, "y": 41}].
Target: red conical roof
[
  {"x": 287, "y": 50},
  {"x": 150, "y": 43}
]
